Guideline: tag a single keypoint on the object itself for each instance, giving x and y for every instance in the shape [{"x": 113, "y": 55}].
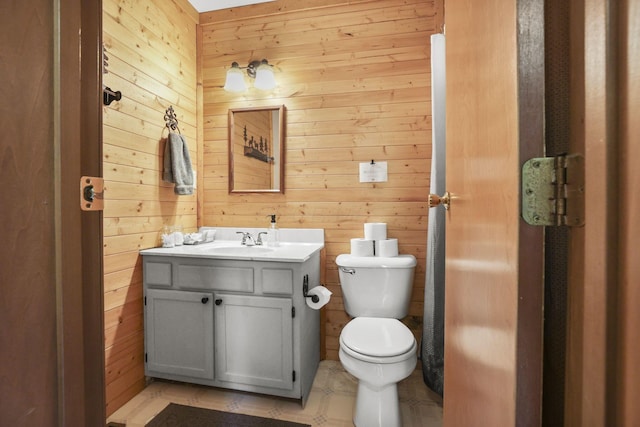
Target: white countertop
[{"x": 296, "y": 245}]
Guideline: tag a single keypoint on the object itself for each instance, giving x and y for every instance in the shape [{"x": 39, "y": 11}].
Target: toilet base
[
  {"x": 377, "y": 403},
  {"x": 377, "y": 408}
]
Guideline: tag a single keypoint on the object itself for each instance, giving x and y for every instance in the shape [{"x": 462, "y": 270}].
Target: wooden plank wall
[
  {"x": 151, "y": 49},
  {"x": 355, "y": 79}
]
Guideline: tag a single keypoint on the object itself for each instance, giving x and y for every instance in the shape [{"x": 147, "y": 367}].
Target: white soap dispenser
[{"x": 272, "y": 233}]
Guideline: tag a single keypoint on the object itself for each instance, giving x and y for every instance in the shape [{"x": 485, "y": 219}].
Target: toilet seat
[{"x": 378, "y": 340}]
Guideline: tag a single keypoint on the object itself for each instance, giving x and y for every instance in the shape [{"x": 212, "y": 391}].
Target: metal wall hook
[
  {"x": 109, "y": 95},
  {"x": 171, "y": 119}
]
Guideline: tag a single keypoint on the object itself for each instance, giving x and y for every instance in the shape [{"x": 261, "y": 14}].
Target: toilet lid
[{"x": 379, "y": 337}]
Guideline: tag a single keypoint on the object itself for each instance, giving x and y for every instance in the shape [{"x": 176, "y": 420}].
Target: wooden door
[
  {"x": 627, "y": 380},
  {"x": 494, "y": 284},
  {"x": 28, "y": 311},
  {"x": 52, "y": 346},
  {"x": 603, "y": 378}
]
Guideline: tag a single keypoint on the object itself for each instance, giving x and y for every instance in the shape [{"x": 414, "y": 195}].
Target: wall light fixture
[{"x": 261, "y": 71}]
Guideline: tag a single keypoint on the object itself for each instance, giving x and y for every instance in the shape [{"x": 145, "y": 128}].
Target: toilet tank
[{"x": 376, "y": 286}]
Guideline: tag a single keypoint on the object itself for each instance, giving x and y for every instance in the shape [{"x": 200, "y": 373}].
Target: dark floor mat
[{"x": 176, "y": 415}]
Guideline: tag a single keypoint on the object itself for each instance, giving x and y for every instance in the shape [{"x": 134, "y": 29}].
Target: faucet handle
[
  {"x": 259, "y": 241},
  {"x": 244, "y": 237}
]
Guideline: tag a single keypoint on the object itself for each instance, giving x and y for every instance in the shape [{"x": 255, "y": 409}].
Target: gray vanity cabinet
[
  {"x": 179, "y": 332},
  {"x": 254, "y": 340},
  {"x": 235, "y": 324}
]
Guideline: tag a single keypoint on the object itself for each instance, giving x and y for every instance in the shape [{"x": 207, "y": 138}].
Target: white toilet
[{"x": 376, "y": 347}]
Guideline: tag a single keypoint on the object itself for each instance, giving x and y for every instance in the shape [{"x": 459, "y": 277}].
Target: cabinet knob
[
  {"x": 218, "y": 301},
  {"x": 205, "y": 300}
]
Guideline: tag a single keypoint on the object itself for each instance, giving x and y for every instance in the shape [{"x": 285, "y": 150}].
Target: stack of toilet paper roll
[{"x": 375, "y": 242}]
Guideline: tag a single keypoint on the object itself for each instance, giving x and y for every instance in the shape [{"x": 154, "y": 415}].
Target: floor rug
[{"x": 176, "y": 415}]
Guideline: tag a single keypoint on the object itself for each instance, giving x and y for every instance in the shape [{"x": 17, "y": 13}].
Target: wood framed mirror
[{"x": 256, "y": 150}]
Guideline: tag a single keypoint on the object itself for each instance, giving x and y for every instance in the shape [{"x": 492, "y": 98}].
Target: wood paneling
[
  {"x": 354, "y": 77},
  {"x": 151, "y": 49}
]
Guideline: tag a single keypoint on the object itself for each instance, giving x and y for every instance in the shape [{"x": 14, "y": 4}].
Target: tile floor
[{"x": 330, "y": 403}]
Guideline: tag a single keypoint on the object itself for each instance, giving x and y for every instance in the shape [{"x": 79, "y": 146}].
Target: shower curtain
[{"x": 433, "y": 327}]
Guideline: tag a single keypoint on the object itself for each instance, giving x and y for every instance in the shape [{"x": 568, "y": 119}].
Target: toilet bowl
[{"x": 379, "y": 352}]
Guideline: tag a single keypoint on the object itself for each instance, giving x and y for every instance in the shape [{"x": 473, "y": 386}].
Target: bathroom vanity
[{"x": 234, "y": 316}]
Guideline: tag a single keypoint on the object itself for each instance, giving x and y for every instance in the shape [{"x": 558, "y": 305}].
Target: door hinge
[
  {"x": 146, "y": 358},
  {"x": 553, "y": 190},
  {"x": 294, "y": 376},
  {"x": 293, "y": 312},
  {"x": 91, "y": 193}
]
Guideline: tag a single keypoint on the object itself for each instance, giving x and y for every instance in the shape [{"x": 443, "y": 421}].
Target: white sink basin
[{"x": 239, "y": 250}]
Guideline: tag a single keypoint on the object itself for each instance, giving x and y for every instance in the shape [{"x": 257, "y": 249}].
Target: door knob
[{"x": 444, "y": 200}]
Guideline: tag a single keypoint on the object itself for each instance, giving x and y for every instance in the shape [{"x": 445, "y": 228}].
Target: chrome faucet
[{"x": 247, "y": 239}]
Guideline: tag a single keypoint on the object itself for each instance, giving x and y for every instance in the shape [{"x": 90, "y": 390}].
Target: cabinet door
[
  {"x": 254, "y": 340},
  {"x": 179, "y": 333}
]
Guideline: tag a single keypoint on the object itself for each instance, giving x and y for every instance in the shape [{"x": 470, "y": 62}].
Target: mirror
[{"x": 256, "y": 147}]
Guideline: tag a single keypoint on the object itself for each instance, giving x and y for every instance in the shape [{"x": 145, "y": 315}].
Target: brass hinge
[
  {"x": 91, "y": 193},
  {"x": 553, "y": 191}
]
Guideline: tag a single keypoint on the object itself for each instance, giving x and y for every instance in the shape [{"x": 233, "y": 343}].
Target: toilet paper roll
[
  {"x": 375, "y": 231},
  {"x": 361, "y": 247},
  {"x": 387, "y": 248},
  {"x": 323, "y": 294}
]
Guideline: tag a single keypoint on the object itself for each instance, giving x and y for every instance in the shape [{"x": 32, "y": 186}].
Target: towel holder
[{"x": 171, "y": 119}]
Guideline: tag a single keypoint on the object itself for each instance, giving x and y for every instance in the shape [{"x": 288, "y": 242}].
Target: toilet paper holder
[{"x": 305, "y": 289}]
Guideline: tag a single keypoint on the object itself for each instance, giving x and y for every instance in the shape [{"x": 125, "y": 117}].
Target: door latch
[
  {"x": 91, "y": 193},
  {"x": 553, "y": 191}
]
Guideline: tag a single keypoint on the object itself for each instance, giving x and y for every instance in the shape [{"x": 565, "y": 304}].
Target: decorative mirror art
[{"x": 256, "y": 147}]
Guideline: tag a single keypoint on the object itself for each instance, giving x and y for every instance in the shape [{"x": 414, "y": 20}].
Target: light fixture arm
[{"x": 253, "y": 67}]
